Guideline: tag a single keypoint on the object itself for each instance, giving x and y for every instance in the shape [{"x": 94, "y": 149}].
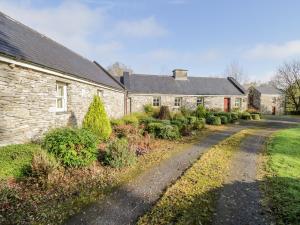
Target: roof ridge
[
  {"x": 43, "y": 36},
  {"x": 170, "y": 75}
]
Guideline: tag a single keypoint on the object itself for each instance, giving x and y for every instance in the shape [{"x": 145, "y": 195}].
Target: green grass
[
  {"x": 15, "y": 159},
  {"x": 191, "y": 200},
  {"x": 282, "y": 186}
]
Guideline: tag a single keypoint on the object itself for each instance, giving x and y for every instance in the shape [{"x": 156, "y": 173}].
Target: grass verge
[
  {"x": 281, "y": 176},
  {"x": 191, "y": 200},
  {"x": 66, "y": 192}
]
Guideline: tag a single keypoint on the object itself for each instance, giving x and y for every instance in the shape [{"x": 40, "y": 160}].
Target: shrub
[
  {"x": 97, "y": 120},
  {"x": 131, "y": 119},
  {"x": 199, "y": 124},
  {"x": 245, "y": 116},
  {"x": 118, "y": 154},
  {"x": 147, "y": 120},
  {"x": 72, "y": 147},
  {"x": 164, "y": 113},
  {"x": 200, "y": 111},
  {"x": 164, "y": 131},
  {"x": 255, "y": 116},
  {"x": 186, "y": 130},
  {"x": 43, "y": 164},
  {"x": 149, "y": 109},
  {"x": 178, "y": 115},
  {"x": 117, "y": 122},
  {"x": 224, "y": 119},
  {"x": 213, "y": 120},
  {"x": 185, "y": 111},
  {"x": 234, "y": 116},
  {"x": 125, "y": 130},
  {"x": 191, "y": 120},
  {"x": 169, "y": 132},
  {"x": 226, "y": 114}
]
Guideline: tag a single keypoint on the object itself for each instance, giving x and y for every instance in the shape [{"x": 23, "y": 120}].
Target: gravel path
[
  {"x": 239, "y": 201},
  {"x": 125, "y": 205}
]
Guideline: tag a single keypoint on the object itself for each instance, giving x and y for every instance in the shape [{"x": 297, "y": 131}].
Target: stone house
[
  {"x": 179, "y": 90},
  {"x": 266, "y": 99},
  {"x": 44, "y": 84}
]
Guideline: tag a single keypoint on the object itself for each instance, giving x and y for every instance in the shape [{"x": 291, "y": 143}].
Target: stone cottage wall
[
  {"x": 270, "y": 101},
  {"x": 137, "y": 101},
  {"x": 27, "y": 100}
]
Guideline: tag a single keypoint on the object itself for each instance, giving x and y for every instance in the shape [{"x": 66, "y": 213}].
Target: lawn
[
  {"x": 191, "y": 200},
  {"x": 15, "y": 160},
  {"x": 282, "y": 186}
]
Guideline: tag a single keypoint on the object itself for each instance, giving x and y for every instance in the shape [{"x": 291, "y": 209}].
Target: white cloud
[
  {"x": 274, "y": 51},
  {"x": 147, "y": 27}
]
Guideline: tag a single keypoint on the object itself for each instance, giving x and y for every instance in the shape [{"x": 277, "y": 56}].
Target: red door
[{"x": 226, "y": 104}]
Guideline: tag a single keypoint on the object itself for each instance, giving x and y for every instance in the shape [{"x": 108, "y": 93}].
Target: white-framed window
[
  {"x": 61, "y": 97},
  {"x": 238, "y": 102},
  {"x": 156, "y": 101},
  {"x": 100, "y": 93},
  {"x": 178, "y": 101},
  {"x": 200, "y": 101}
]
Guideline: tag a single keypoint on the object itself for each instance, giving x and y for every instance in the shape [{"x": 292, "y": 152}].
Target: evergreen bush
[
  {"x": 199, "y": 124},
  {"x": 131, "y": 120},
  {"x": 255, "y": 116},
  {"x": 118, "y": 154},
  {"x": 213, "y": 120},
  {"x": 72, "y": 147},
  {"x": 164, "y": 113},
  {"x": 96, "y": 119},
  {"x": 224, "y": 119},
  {"x": 200, "y": 111},
  {"x": 246, "y": 116}
]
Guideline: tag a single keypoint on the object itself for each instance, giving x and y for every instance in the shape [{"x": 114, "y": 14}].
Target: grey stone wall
[
  {"x": 27, "y": 100},
  {"x": 211, "y": 102},
  {"x": 270, "y": 101}
]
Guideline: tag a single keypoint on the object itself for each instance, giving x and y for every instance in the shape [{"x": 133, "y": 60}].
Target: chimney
[
  {"x": 180, "y": 74},
  {"x": 125, "y": 79}
]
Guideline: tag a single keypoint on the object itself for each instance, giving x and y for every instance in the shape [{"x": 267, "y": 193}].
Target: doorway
[
  {"x": 273, "y": 110},
  {"x": 226, "y": 104}
]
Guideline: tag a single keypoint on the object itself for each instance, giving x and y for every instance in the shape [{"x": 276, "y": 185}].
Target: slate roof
[
  {"x": 148, "y": 84},
  {"x": 23, "y": 43},
  {"x": 267, "y": 89}
]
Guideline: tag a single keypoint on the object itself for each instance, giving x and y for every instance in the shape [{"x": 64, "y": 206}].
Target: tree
[
  {"x": 287, "y": 81},
  {"x": 96, "y": 119},
  {"x": 235, "y": 70},
  {"x": 118, "y": 68}
]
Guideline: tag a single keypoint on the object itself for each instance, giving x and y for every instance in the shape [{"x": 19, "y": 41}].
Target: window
[
  {"x": 156, "y": 101},
  {"x": 274, "y": 100},
  {"x": 200, "y": 101},
  {"x": 238, "y": 103},
  {"x": 100, "y": 93},
  {"x": 178, "y": 101},
  {"x": 61, "y": 97}
]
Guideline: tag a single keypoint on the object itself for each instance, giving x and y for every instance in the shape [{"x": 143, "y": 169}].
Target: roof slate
[
  {"x": 23, "y": 43},
  {"x": 149, "y": 84},
  {"x": 267, "y": 89}
]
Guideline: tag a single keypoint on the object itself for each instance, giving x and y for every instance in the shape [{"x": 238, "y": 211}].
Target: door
[
  {"x": 273, "y": 110},
  {"x": 226, "y": 104}
]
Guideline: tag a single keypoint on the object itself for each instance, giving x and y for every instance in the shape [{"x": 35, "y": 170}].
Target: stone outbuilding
[
  {"x": 266, "y": 99},
  {"x": 179, "y": 90},
  {"x": 45, "y": 85}
]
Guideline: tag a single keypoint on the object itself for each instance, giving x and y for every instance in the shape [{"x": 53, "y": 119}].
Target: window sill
[{"x": 62, "y": 112}]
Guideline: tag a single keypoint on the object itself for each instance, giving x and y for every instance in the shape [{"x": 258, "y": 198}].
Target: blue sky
[{"x": 156, "y": 36}]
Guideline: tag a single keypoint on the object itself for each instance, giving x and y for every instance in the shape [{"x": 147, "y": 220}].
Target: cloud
[
  {"x": 274, "y": 51},
  {"x": 147, "y": 27}
]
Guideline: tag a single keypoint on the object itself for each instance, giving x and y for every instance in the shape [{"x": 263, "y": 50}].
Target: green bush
[
  {"x": 149, "y": 109},
  {"x": 185, "y": 111},
  {"x": 213, "y": 120},
  {"x": 96, "y": 119},
  {"x": 191, "y": 120},
  {"x": 164, "y": 113},
  {"x": 118, "y": 154},
  {"x": 131, "y": 120},
  {"x": 255, "y": 116},
  {"x": 199, "y": 124},
  {"x": 226, "y": 114},
  {"x": 72, "y": 147},
  {"x": 246, "y": 116},
  {"x": 186, "y": 130},
  {"x": 43, "y": 164},
  {"x": 116, "y": 122},
  {"x": 200, "y": 112},
  {"x": 224, "y": 119},
  {"x": 163, "y": 131},
  {"x": 234, "y": 116},
  {"x": 147, "y": 120}
]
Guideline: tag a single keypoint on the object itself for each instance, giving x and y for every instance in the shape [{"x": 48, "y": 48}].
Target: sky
[{"x": 157, "y": 36}]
